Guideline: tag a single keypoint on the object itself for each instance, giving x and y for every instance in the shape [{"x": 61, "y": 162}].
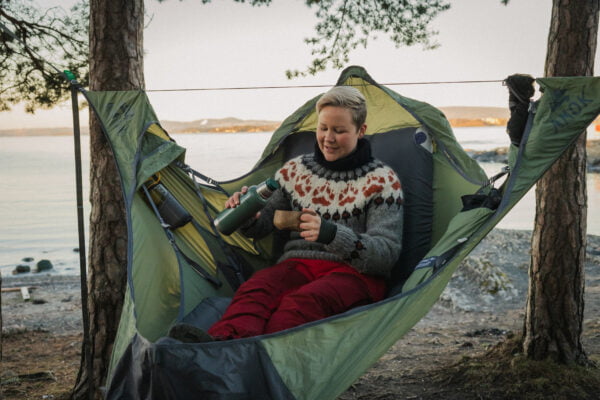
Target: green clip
[{"x": 70, "y": 76}]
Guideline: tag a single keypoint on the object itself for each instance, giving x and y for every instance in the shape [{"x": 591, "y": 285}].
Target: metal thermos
[
  {"x": 251, "y": 202},
  {"x": 169, "y": 208}
]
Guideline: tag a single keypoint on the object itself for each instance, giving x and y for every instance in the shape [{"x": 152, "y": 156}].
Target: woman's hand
[
  {"x": 310, "y": 224},
  {"x": 234, "y": 200}
]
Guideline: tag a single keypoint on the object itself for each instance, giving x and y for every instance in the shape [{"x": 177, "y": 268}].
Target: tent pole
[{"x": 80, "y": 222}]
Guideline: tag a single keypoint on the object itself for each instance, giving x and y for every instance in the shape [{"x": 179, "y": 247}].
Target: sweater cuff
[{"x": 327, "y": 232}]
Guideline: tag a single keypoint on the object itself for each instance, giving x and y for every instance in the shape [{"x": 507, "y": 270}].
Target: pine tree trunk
[
  {"x": 116, "y": 63},
  {"x": 554, "y": 316}
]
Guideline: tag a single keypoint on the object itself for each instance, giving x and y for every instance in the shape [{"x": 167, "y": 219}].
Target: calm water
[{"x": 38, "y": 209}]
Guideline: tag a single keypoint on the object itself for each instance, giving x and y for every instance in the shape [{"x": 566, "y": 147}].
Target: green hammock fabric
[{"x": 321, "y": 359}]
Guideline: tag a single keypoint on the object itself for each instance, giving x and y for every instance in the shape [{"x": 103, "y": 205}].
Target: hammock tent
[{"x": 186, "y": 271}]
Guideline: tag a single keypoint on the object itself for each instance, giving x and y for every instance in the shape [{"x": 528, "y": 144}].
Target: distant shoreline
[
  {"x": 43, "y": 132},
  {"x": 459, "y": 116},
  {"x": 455, "y": 123}
]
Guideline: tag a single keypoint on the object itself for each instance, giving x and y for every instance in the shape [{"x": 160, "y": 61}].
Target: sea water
[{"x": 38, "y": 211}]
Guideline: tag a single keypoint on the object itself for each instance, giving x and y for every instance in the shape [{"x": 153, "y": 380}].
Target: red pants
[{"x": 294, "y": 292}]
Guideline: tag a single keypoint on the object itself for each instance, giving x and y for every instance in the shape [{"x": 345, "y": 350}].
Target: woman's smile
[{"x": 337, "y": 135}]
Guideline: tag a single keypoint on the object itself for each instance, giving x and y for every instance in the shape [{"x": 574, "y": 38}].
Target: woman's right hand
[{"x": 234, "y": 200}]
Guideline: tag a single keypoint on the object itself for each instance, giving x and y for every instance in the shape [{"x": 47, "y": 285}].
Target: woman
[{"x": 349, "y": 234}]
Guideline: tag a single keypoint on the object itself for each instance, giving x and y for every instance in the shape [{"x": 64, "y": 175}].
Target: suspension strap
[
  {"x": 234, "y": 260},
  {"x": 178, "y": 252},
  {"x": 493, "y": 179},
  {"x": 193, "y": 173}
]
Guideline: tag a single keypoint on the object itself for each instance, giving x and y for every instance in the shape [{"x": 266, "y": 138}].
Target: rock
[
  {"x": 38, "y": 376},
  {"x": 44, "y": 265},
  {"x": 487, "y": 332},
  {"x": 499, "y": 155},
  {"x": 21, "y": 269},
  {"x": 9, "y": 377},
  {"x": 27, "y": 259}
]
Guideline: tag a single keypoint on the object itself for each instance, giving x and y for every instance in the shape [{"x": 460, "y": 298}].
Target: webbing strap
[
  {"x": 493, "y": 179},
  {"x": 233, "y": 259},
  {"x": 197, "y": 174},
  {"x": 167, "y": 228}
]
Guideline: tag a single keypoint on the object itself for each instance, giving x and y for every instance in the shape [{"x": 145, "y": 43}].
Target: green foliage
[
  {"x": 345, "y": 25},
  {"x": 39, "y": 41}
]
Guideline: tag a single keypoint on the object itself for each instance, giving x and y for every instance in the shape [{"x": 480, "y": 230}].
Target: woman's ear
[{"x": 362, "y": 130}]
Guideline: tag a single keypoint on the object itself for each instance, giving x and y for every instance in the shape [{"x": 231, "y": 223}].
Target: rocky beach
[{"x": 482, "y": 306}]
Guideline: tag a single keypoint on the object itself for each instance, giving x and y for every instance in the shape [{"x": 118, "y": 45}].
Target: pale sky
[{"x": 226, "y": 44}]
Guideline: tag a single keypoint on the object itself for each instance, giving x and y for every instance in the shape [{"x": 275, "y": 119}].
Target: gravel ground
[{"x": 491, "y": 280}]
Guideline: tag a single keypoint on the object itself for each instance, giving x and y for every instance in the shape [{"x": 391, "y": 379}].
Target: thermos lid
[{"x": 272, "y": 184}]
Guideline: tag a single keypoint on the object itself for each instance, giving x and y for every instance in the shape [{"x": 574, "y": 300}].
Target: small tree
[
  {"x": 554, "y": 316},
  {"x": 116, "y": 63}
]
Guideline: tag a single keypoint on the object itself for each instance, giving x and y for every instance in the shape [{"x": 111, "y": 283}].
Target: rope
[{"x": 318, "y": 86}]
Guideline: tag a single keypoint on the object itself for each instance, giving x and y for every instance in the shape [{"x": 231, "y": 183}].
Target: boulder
[
  {"x": 44, "y": 265},
  {"x": 22, "y": 269}
]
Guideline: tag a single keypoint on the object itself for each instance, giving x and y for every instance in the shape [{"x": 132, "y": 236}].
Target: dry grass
[{"x": 39, "y": 365}]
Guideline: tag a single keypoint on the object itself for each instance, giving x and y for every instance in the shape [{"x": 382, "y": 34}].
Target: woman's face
[{"x": 336, "y": 133}]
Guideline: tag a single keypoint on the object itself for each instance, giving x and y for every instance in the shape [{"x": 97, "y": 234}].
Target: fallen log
[{"x": 18, "y": 288}]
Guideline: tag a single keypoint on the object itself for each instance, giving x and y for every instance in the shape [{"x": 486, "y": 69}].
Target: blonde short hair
[{"x": 346, "y": 97}]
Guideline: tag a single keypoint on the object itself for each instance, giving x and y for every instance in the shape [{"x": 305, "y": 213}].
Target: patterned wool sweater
[{"x": 362, "y": 203}]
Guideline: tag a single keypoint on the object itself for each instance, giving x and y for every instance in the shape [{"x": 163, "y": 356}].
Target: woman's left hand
[{"x": 310, "y": 224}]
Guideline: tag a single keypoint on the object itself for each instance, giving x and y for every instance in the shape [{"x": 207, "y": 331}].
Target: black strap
[
  {"x": 178, "y": 252},
  {"x": 493, "y": 179},
  {"x": 186, "y": 168},
  {"x": 234, "y": 260},
  {"x": 437, "y": 262},
  {"x": 446, "y": 256}
]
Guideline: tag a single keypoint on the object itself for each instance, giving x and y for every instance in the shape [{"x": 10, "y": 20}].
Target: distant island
[
  {"x": 208, "y": 125},
  {"x": 458, "y": 116},
  {"x": 222, "y": 125},
  {"x": 476, "y": 116}
]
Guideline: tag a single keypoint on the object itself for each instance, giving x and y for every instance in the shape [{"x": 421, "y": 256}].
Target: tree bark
[
  {"x": 555, "y": 304},
  {"x": 116, "y": 63}
]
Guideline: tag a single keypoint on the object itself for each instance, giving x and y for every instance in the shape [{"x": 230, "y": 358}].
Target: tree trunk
[
  {"x": 116, "y": 63},
  {"x": 554, "y": 316}
]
